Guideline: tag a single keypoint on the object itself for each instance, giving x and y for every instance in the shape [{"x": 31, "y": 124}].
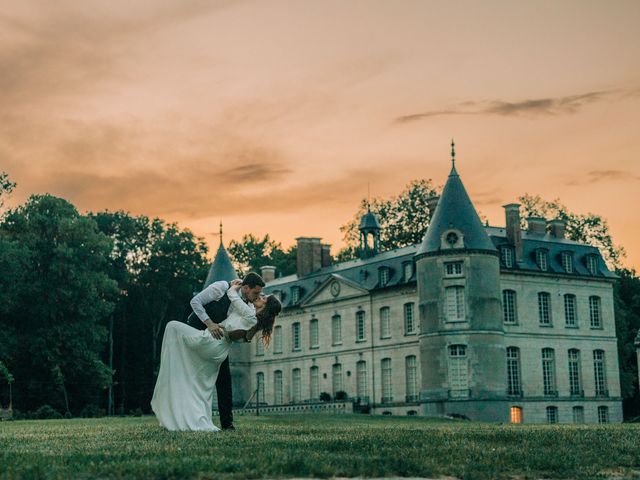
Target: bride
[{"x": 190, "y": 360}]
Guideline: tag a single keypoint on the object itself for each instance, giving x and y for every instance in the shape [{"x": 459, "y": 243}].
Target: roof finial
[
  {"x": 369, "y": 196},
  {"x": 453, "y": 154},
  {"x": 220, "y": 232}
]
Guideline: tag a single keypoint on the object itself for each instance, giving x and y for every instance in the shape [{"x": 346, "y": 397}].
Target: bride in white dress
[{"x": 191, "y": 358}]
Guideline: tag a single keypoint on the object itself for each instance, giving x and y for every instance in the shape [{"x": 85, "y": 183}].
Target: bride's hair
[{"x": 267, "y": 317}]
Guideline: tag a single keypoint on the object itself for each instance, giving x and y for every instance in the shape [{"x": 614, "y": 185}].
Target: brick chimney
[
  {"x": 432, "y": 203},
  {"x": 537, "y": 226},
  {"x": 514, "y": 231},
  {"x": 557, "y": 227},
  {"x": 326, "y": 259},
  {"x": 268, "y": 273},
  {"x": 309, "y": 255}
]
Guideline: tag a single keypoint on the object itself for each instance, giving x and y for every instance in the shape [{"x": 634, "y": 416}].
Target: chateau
[{"x": 498, "y": 324}]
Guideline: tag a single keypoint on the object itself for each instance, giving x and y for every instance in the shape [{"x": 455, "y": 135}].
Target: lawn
[{"x": 316, "y": 446}]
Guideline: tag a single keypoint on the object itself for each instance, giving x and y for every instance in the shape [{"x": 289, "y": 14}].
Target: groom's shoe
[{"x": 228, "y": 427}]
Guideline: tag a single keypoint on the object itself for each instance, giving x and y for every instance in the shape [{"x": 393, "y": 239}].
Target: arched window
[
  {"x": 570, "y": 310},
  {"x": 549, "y": 372},
  {"x": 360, "y": 326},
  {"x": 575, "y": 380},
  {"x": 595, "y": 313},
  {"x": 409, "y": 320},
  {"x": 600, "y": 373},
  {"x": 544, "y": 308},
  {"x": 295, "y": 337}
]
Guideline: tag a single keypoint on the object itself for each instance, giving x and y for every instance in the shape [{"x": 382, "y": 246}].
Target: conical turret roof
[
  {"x": 221, "y": 268},
  {"x": 455, "y": 211}
]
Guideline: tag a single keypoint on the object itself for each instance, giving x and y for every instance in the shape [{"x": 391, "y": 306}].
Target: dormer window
[
  {"x": 383, "y": 276},
  {"x": 407, "y": 268},
  {"x": 592, "y": 264},
  {"x": 363, "y": 275},
  {"x": 453, "y": 269},
  {"x": 295, "y": 295},
  {"x": 506, "y": 255},
  {"x": 542, "y": 259},
  {"x": 567, "y": 262}
]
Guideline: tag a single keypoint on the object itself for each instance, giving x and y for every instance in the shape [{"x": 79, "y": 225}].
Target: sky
[{"x": 275, "y": 116}]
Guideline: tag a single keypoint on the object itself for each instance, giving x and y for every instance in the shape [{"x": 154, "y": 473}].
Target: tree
[
  {"x": 251, "y": 253},
  {"x": 588, "y": 228},
  {"x": 403, "y": 219},
  {"x": 6, "y": 187}
]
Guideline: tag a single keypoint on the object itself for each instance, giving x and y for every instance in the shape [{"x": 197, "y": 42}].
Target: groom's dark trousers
[{"x": 218, "y": 311}]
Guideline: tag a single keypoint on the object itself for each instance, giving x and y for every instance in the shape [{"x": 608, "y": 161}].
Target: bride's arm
[{"x": 245, "y": 335}]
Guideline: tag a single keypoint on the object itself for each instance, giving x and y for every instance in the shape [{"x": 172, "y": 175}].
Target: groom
[{"x": 210, "y": 307}]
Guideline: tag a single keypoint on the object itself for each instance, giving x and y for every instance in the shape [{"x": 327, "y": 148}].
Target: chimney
[
  {"x": 557, "y": 227},
  {"x": 432, "y": 203},
  {"x": 309, "y": 255},
  {"x": 537, "y": 226},
  {"x": 268, "y": 273},
  {"x": 326, "y": 255},
  {"x": 514, "y": 231}
]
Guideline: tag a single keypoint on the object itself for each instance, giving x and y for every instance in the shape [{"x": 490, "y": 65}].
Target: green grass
[{"x": 316, "y": 446}]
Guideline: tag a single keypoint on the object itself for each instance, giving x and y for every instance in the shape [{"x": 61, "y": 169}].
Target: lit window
[
  {"x": 360, "y": 326},
  {"x": 600, "y": 373},
  {"x": 314, "y": 337},
  {"x": 295, "y": 337},
  {"x": 296, "y": 386},
  {"x": 595, "y": 312},
  {"x": 385, "y": 322},
  {"x": 411, "y": 378},
  {"x": 458, "y": 371},
  {"x": 516, "y": 414},
  {"x": 544, "y": 308},
  {"x": 383, "y": 276},
  {"x": 575, "y": 381},
  {"x": 509, "y": 307},
  {"x": 387, "y": 394},
  {"x": 603, "y": 414},
  {"x": 409, "y": 323},
  {"x": 506, "y": 255},
  {"x": 570, "y": 311},
  {"x": 513, "y": 371},
  {"x": 541, "y": 259},
  {"x": 453, "y": 269},
  {"x": 578, "y": 414},
  {"x": 552, "y": 414},
  {"x": 592, "y": 264},
  {"x": 549, "y": 372},
  {"x": 455, "y": 304},
  {"x": 277, "y": 339},
  {"x": 567, "y": 262},
  {"x": 336, "y": 330}
]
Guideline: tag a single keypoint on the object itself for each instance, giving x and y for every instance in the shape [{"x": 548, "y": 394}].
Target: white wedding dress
[{"x": 189, "y": 364}]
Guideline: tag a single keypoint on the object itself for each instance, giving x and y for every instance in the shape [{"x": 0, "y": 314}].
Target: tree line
[{"x": 84, "y": 298}]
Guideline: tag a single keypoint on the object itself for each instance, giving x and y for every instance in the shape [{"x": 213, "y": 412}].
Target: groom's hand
[
  {"x": 216, "y": 331},
  {"x": 234, "y": 283}
]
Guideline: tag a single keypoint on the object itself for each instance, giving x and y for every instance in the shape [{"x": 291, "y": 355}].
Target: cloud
[
  {"x": 596, "y": 176},
  {"x": 529, "y": 107}
]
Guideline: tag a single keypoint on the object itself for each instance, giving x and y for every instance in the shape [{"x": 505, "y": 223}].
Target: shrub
[
  {"x": 92, "y": 411},
  {"x": 341, "y": 395},
  {"x": 46, "y": 412},
  {"x": 325, "y": 397}
]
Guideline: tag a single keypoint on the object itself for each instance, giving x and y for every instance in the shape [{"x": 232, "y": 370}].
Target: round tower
[
  {"x": 369, "y": 234},
  {"x": 461, "y": 336}
]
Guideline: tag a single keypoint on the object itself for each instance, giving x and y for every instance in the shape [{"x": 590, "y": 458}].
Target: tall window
[
  {"x": 277, "y": 387},
  {"x": 336, "y": 330},
  {"x": 570, "y": 311},
  {"x": 552, "y": 414},
  {"x": 578, "y": 414},
  {"x": 314, "y": 383},
  {"x": 453, "y": 269},
  {"x": 260, "y": 387},
  {"x": 361, "y": 380},
  {"x": 603, "y": 414},
  {"x": 575, "y": 380},
  {"x": 458, "y": 371},
  {"x": 509, "y": 307},
  {"x": 337, "y": 378},
  {"x": 409, "y": 322},
  {"x": 296, "y": 386},
  {"x": 592, "y": 264},
  {"x": 360, "y": 330},
  {"x": 544, "y": 308},
  {"x": 385, "y": 322},
  {"x": 407, "y": 268},
  {"x": 516, "y": 414},
  {"x": 595, "y": 313},
  {"x": 295, "y": 337},
  {"x": 513, "y": 371},
  {"x": 549, "y": 371},
  {"x": 600, "y": 373},
  {"x": 411, "y": 378},
  {"x": 314, "y": 337},
  {"x": 567, "y": 262},
  {"x": 506, "y": 255},
  {"x": 455, "y": 303},
  {"x": 541, "y": 259},
  {"x": 277, "y": 339},
  {"x": 259, "y": 348},
  {"x": 387, "y": 393},
  {"x": 383, "y": 276}
]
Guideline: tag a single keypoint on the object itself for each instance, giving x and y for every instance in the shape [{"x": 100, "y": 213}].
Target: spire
[
  {"x": 221, "y": 268},
  {"x": 453, "y": 158},
  {"x": 455, "y": 212}
]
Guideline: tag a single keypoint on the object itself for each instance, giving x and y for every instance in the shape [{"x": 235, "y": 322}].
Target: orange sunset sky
[{"x": 274, "y": 115}]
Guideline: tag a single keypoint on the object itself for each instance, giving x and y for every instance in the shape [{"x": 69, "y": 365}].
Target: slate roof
[
  {"x": 221, "y": 268},
  {"x": 369, "y": 221},
  {"x": 455, "y": 210}
]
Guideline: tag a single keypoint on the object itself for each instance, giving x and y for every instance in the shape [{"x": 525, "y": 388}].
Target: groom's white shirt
[{"x": 213, "y": 293}]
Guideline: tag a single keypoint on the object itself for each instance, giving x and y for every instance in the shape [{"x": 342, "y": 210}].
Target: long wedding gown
[{"x": 189, "y": 364}]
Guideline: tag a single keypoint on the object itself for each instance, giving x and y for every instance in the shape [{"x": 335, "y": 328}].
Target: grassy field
[{"x": 316, "y": 446}]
